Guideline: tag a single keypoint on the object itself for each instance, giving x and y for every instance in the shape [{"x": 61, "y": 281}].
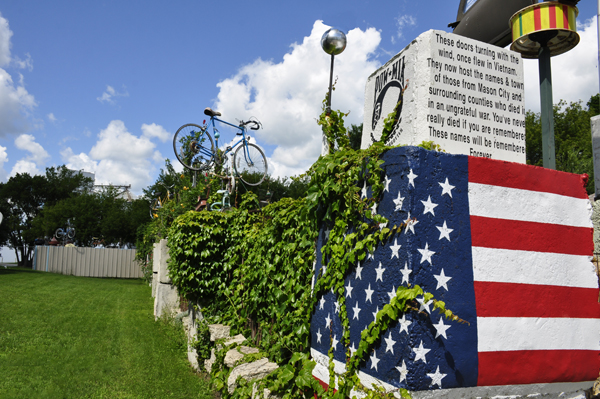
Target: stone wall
[
  {"x": 166, "y": 298},
  {"x": 166, "y": 304}
]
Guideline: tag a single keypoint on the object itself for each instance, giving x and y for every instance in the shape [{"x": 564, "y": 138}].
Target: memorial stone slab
[{"x": 464, "y": 95}]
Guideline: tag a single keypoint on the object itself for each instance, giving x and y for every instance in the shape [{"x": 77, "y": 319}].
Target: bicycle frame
[
  {"x": 229, "y": 149},
  {"x": 194, "y": 146},
  {"x": 223, "y": 204}
]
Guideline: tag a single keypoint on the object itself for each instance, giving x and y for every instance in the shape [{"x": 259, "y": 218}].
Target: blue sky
[{"x": 103, "y": 85}]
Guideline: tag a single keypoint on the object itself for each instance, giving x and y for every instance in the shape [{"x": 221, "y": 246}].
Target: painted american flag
[{"x": 506, "y": 246}]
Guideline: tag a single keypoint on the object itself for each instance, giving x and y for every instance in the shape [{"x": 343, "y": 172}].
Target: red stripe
[
  {"x": 552, "y": 16},
  {"x": 537, "y": 18},
  {"x": 531, "y": 367},
  {"x": 531, "y": 236},
  {"x": 526, "y": 177},
  {"x": 566, "y": 17},
  {"x": 529, "y": 300},
  {"x": 324, "y": 385}
]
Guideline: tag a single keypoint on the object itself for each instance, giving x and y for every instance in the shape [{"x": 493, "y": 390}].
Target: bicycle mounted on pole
[{"x": 194, "y": 148}]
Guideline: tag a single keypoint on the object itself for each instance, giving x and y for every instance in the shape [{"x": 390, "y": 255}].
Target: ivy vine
[{"x": 252, "y": 269}]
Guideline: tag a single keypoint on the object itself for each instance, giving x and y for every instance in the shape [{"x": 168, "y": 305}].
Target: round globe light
[{"x": 333, "y": 41}]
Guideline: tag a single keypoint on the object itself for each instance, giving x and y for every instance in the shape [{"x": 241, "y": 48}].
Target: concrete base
[
  {"x": 573, "y": 390},
  {"x": 166, "y": 301}
]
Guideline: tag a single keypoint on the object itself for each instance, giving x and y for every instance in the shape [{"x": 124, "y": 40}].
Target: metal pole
[
  {"x": 331, "y": 84},
  {"x": 547, "y": 112}
]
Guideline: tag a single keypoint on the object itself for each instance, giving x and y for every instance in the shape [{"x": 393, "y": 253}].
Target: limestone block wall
[
  {"x": 155, "y": 262},
  {"x": 506, "y": 246},
  {"x": 166, "y": 303},
  {"x": 166, "y": 297}
]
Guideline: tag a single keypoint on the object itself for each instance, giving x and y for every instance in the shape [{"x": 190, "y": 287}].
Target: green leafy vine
[{"x": 252, "y": 269}]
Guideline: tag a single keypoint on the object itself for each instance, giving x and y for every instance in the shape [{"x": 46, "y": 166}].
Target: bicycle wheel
[
  {"x": 59, "y": 233},
  {"x": 194, "y": 147},
  {"x": 250, "y": 164},
  {"x": 70, "y": 233}
]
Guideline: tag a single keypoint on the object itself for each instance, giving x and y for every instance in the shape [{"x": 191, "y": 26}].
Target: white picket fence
[{"x": 87, "y": 262}]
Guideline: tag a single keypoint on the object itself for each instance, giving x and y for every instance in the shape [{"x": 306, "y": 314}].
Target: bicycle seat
[
  {"x": 208, "y": 111},
  {"x": 221, "y": 191}
]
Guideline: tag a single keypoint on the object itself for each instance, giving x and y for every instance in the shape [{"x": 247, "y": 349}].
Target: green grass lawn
[{"x": 79, "y": 337}]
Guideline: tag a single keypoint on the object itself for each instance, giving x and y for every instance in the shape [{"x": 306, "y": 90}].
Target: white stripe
[
  {"x": 526, "y": 267},
  {"x": 534, "y": 333},
  {"x": 530, "y": 206},
  {"x": 321, "y": 371}
]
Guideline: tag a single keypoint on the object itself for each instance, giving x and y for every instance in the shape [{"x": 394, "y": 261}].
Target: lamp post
[{"x": 334, "y": 43}]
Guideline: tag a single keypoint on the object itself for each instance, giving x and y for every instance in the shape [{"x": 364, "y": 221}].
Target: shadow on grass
[
  {"x": 14, "y": 270},
  {"x": 20, "y": 270}
]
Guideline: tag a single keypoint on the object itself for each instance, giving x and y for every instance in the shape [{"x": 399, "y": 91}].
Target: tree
[
  {"x": 355, "y": 136},
  {"x": 95, "y": 215},
  {"x": 24, "y": 196},
  {"x": 572, "y": 138}
]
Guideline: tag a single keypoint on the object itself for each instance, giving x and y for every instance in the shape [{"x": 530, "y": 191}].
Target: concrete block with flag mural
[{"x": 506, "y": 246}]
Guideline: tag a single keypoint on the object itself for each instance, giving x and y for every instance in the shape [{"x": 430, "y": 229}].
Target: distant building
[{"x": 89, "y": 174}]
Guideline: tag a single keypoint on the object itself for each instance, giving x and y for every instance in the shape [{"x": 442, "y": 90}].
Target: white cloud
[
  {"x": 286, "y": 96},
  {"x": 157, "y": 131},
  {"x": 27, "y": 63},
  {"x": 15, "y": 101},
  {"x": 25, "y": 166},
  {"x": 574, "y": 74},
  {"x": 3, "y": 160},
  {"x": 403, "y": 21},
  {"x": 51, "y": 117},
  {"x": 80, "y": 161},
  {"x": 32, "y": 163},
  {"x": 5, "y": 35},
  {"x": 118, "y": 157},
  {"x": 110, "y": 93},
  {"x": 15, "y": 104}
]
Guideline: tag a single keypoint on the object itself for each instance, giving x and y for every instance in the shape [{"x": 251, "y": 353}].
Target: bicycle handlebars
[{"x": 255, "y": 127}]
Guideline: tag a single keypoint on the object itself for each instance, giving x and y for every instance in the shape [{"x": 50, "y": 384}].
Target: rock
[
  {"x": 190, "y": 328},
  {"x": 266, "y": 394},
  {"x": 232, "y": 357},
  {"x": 218, "y": 331},
  {"x": 208, "y": 363},
  {"x": 250, "y": 371},
  {"x": 238, "y": 339},
  {"x": 181, "y": 315},
  {"x": 192, "y": 356},
  {"x": 246, "y": 350}
]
